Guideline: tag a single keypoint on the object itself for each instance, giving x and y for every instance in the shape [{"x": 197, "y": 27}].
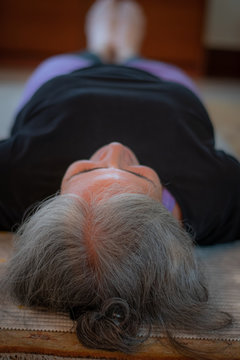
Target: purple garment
[
  {"x": 168, "y": 200},
  {"x": 50, "y": 68},
  {"x": 66, "y": 63},
  {"x": 165, "y": 71}
]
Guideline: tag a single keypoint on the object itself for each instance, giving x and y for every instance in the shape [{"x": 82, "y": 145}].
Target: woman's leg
[
  {"x": 99, "y": 31},
  {"x": 129, "y": 34},
  {"x": 55, "y": 66},
  {"x": 164, "y": 71}
]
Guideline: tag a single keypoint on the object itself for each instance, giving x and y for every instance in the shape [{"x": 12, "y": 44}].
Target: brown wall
[{"x": 31, "y": 30}]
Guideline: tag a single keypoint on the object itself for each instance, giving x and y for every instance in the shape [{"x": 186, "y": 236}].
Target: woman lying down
[{"x": 123, "y": 150}]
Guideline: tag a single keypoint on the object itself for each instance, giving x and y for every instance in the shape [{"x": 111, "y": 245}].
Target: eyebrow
[{"x": 129, "y": 171}]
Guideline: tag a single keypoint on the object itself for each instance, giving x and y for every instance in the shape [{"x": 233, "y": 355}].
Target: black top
[{"x": 164, "y": 123}]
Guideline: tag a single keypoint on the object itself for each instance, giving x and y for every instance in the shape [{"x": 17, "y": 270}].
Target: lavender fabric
[
  {"x": 66, "y": 63},
  {"x": 165, "y": 71},
  {"x": 50, "y": 68},
  {"x": 168, "y": 200}
]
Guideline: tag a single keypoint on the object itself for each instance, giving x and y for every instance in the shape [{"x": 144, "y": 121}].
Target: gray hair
[{"x": 115, "y": 264}]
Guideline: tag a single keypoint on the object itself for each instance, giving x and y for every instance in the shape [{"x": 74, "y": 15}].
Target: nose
[{"x": 115, "y": 155}]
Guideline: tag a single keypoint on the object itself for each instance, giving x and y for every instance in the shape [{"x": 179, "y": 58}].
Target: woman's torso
[{"x": 164, "y": 123}]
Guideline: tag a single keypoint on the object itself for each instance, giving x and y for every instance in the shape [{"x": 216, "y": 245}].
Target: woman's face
[{"x": 110, "y": 165}]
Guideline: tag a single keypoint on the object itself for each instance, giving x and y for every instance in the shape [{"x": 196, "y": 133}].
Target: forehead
[{"x": 105, "y": 181}]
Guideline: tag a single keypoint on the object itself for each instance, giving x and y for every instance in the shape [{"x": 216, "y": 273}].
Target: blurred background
[{"x": 200, "y": 36}]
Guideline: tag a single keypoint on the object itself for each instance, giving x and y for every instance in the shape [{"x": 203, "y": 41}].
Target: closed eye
[
  {"x": 129, "y": 171},
  {"x": 87, "y": 170}
]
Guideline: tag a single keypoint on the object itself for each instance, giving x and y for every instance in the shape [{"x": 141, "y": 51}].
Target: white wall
[{"x": 222, "y": 27}]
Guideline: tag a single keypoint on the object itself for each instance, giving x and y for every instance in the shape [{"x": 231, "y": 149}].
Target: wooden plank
[
  {"x": 43, "y": 26},
  {"x": 67, "y": 344},
  {"x": 175, "y": 29}
]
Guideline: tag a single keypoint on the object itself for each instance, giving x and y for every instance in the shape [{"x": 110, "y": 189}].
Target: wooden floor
[{"x": 222, "y": 98}]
